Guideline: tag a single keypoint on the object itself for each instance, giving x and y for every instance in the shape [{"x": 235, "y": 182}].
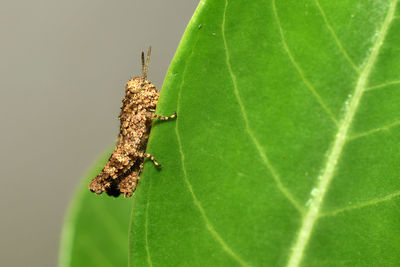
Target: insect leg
[
  {"x": 165, "y": 118},
  {"x": 146, "y": 155},
  {"x": 129, "y": 183}
]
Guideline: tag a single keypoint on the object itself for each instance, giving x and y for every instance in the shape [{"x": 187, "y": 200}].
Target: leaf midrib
[{"x": 325, "y": 178}]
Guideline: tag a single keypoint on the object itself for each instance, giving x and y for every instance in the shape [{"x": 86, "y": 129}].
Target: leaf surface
[
  {"x": 95, "y": 232},
  {"x": 285, "y": 151}
]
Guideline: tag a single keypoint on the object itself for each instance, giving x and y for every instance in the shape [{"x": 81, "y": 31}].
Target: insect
[{"x": 122, "y": 171}]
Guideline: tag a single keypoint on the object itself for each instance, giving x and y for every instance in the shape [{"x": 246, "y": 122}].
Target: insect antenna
[
  {"x": 147, "y": 62},
  {"x": 143, "y": 73}
]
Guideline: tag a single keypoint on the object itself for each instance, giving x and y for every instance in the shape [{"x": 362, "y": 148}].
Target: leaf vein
[
  {"x": 360, "y": 205},
  {"x": 196, "y": 201},
  {"x": 249, "y": 131},
  {"x": 376, "y": 130},
  {"x": 146, "y": 228},
  {"x": 300, "y": 71},
  {"x": 382, "y": 85},
  {"x": 337, "y": 40},
  {"x": 327, "y": 173}
]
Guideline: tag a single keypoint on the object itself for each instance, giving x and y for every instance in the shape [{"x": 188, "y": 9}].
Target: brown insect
[{"x": 122, "y": 170}]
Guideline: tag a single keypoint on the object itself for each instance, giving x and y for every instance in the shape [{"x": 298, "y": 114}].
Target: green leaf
[
  {"x": 285, "y": 150},
  {"x": 95, "y": 232}
]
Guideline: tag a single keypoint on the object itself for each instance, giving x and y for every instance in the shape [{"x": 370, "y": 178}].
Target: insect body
[{"x": 122, "y": 170}]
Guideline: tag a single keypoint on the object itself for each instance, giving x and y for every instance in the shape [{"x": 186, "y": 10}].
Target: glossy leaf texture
[
  {"x": 286, "y": 147},
  {"x": 95, "y": 231}
]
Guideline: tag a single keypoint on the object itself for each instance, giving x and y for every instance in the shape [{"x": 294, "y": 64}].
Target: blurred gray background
[{"x": 63, "y": 66}]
